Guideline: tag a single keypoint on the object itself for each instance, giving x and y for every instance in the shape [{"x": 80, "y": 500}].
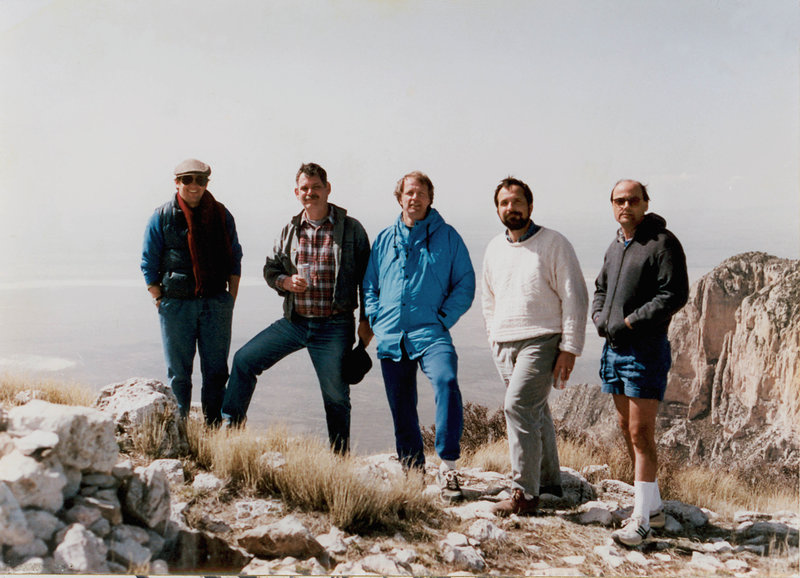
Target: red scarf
[{"x": 209, "y": 245}]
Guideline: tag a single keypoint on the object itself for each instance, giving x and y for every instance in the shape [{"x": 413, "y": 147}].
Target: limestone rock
[
  {"x": 207, "y": 483},
  {"x": 14, "y": 528},
  {"x": 33, "y": 483},
  {"x": 86, "y": 436},
  {"x": 144, "y": 403},
  {"x": 172, "y": 467},
  {"x": 464, "y": 557},
  {"x": 286, "y": 537},
  {"x": 80, "y": 551},
  {"x": 147, "y": 498}
]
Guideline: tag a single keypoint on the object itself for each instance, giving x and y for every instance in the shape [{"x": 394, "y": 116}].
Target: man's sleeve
[
  {"x": 370, "y": 290},
  {"x": 462, "y": 284},
  {"x": 362, "y": 257},
  {"x": 600, "y": 290},
  {"x": 236, "y": 247},
  {"x": 487, "y": 294},
  {"x": 571, "y": 288},
  {"x": 152, "y": 248},
  {"x": 275, "y": 267}
]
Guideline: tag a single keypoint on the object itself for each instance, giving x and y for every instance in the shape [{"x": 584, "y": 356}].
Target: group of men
[{"x": 410, "y": 287}]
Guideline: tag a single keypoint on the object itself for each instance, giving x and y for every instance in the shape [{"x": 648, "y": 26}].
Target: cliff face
[
  {"x": 733, "y": 394},
  {"x": 736, "y": 363}
]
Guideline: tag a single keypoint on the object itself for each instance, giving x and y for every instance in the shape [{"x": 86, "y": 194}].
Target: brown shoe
[{"x": 517, "y": 504}]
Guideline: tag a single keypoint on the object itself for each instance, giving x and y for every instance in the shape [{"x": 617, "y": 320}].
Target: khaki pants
[{"x": 526, "y": 367}]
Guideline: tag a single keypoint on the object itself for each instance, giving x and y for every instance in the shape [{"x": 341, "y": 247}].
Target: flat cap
[{"x": 192, "y": 166}]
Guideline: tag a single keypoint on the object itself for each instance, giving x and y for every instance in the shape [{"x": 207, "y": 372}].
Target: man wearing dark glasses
[
  {"x": 191, "y": 262},
  {"x": 317, "y": 265},
  {"x": 642, "y": 284}
]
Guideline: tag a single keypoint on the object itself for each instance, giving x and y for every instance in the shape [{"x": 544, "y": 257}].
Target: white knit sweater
[{"x": 534, "y": 288}]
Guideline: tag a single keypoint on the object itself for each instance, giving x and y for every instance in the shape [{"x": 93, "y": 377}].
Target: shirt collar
[
  {"x": 532, "y": 230},
  {"x": 304, "y": 220}
]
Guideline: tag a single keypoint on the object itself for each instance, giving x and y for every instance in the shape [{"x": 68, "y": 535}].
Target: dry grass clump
[
  {"x": 46, "y": 389},
  {"x": 308, "y": 476},
  {"x": 480, "y": 429}
]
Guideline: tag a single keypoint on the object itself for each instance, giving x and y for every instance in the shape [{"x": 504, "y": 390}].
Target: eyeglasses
[
  {"x": 201, "y": 180},
  {"x": 632, "y": 201}
]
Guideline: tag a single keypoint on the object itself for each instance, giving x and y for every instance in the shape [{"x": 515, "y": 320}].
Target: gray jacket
[
  {"x": 645, "y": 281},
  {"x": 351, "y": 255}
]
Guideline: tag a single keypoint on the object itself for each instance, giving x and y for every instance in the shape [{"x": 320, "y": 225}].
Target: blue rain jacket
[{"x": 418, "y": 283}]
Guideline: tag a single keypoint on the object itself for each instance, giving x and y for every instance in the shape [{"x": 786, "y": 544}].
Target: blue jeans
[
  {"x": 203, "y": 325},
  {"x": 440, "y": 364},
  {"x": 327, "y": 340}
]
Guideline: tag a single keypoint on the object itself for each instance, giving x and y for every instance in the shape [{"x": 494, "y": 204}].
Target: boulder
[
  {"x": 140, "y": 403},
  {"x": 32, "y": 482},
  {"x": 80, "y": 551},
  {"x": 146, "y": 497},
  {"x": 14, "y": 529},
  {"x": 286, "y": 537},
  {"x": 85, "y": 436}
]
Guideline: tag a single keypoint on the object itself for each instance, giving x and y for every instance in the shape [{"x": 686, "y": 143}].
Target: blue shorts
[{"x": 637, "y": 370}]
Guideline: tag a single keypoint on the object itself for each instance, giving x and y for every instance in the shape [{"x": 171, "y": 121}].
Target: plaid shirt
[{"x": 315, "y": 247}]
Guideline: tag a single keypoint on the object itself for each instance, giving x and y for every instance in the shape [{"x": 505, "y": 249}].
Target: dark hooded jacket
[{"x": 645, "y": 281}]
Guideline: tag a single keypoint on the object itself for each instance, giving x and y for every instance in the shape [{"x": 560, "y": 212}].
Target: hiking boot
[
  {"x": 658, "y": 519},
  {"x": 633, "y": 532},
  {"x": 517, "y": 504},
  {"x": 451, "y": 488}
]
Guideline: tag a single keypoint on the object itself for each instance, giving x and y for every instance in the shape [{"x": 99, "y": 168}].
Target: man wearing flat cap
[{"x": 191, "y": 262}]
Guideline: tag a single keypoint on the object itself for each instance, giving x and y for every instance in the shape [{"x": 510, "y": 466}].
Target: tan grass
[
  {"x": 53, "y": 391},
  {"x": 311, "y": 479}
]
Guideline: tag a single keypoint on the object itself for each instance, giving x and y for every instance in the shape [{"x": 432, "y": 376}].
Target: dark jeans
[
  {"x": 203, "y": 325},
  {"x": 440, "y": 365},
  {"x": 327, "y": 340}
]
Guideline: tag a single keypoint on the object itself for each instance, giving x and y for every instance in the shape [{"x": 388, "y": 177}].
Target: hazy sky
[{"x": 101, "y": 99}]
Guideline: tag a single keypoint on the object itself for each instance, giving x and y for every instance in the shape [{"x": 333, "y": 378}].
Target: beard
[{"x": 515, "y": 221}]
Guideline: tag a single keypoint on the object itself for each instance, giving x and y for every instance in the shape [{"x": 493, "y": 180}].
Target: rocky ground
[{"x": 70, "y": 502}]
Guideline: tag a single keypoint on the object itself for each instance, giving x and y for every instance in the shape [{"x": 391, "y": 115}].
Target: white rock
[
  {"x": 483, "y": 530},
  {"x": 207, "y": 483},
  {"x": 34, "y": 483},
  {"x": 465, "y": 557},
  {"x": 37, "y": 443},
  {"x": 456, "y": 539},
  {"x": 573, "y": 560},
  {"x": 14, "y": 528},
  {"x": 609, "y": 555},
  {"x": 286, "y": 537},
  {"x": 272, "y": 460},
  {"x": 86, "y": 436},
  {"x": 661, "y": 557},
  {"x": 705, "y": 562},
  {"x": 597, "y": 512},
  {"x": 159, "y": 567},
  {"x": 471, "y": 510},
  {"x": 405, "y": 556},
  {"x": 139, "y": 403},
  {"x": 635, "y": 557},
  {"x": 383, "y": 565},
  {"x": 80, "y": 551},
  {"x": 736, "y": 565},
  {"x": 717, "y": 547},
  {"x": 333, "y": 541},
  {"x": 172, "y": 468}
]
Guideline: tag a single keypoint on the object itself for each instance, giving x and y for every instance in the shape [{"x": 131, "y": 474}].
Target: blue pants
[
  {"x": 440, "y": 364},
  {"x": 203, "y": 325},
  {"x": 327, "y": 340}
]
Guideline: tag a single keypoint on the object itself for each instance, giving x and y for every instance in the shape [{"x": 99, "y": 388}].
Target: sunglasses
[{"x": 201, "y": 180}]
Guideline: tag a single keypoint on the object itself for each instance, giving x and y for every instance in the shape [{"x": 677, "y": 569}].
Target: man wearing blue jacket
[{"x": 418, "y": 283}]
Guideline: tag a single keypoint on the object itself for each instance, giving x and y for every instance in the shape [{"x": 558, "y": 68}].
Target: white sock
[
  {"x": 641, "y": 503},
  {"x": 655, "y": 498},
  {"x": 447, "y": 465}
]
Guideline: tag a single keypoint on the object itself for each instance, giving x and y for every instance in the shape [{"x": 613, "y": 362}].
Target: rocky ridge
[{"x": 70, "y": 502}]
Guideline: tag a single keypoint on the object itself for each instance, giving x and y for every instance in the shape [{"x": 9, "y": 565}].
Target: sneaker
[
  {"x": 451, "y": 488},
  {"x": 517, "y": 504},
  {"x": 633, "y": 532},
  {"x": 658, "y": 519}
]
